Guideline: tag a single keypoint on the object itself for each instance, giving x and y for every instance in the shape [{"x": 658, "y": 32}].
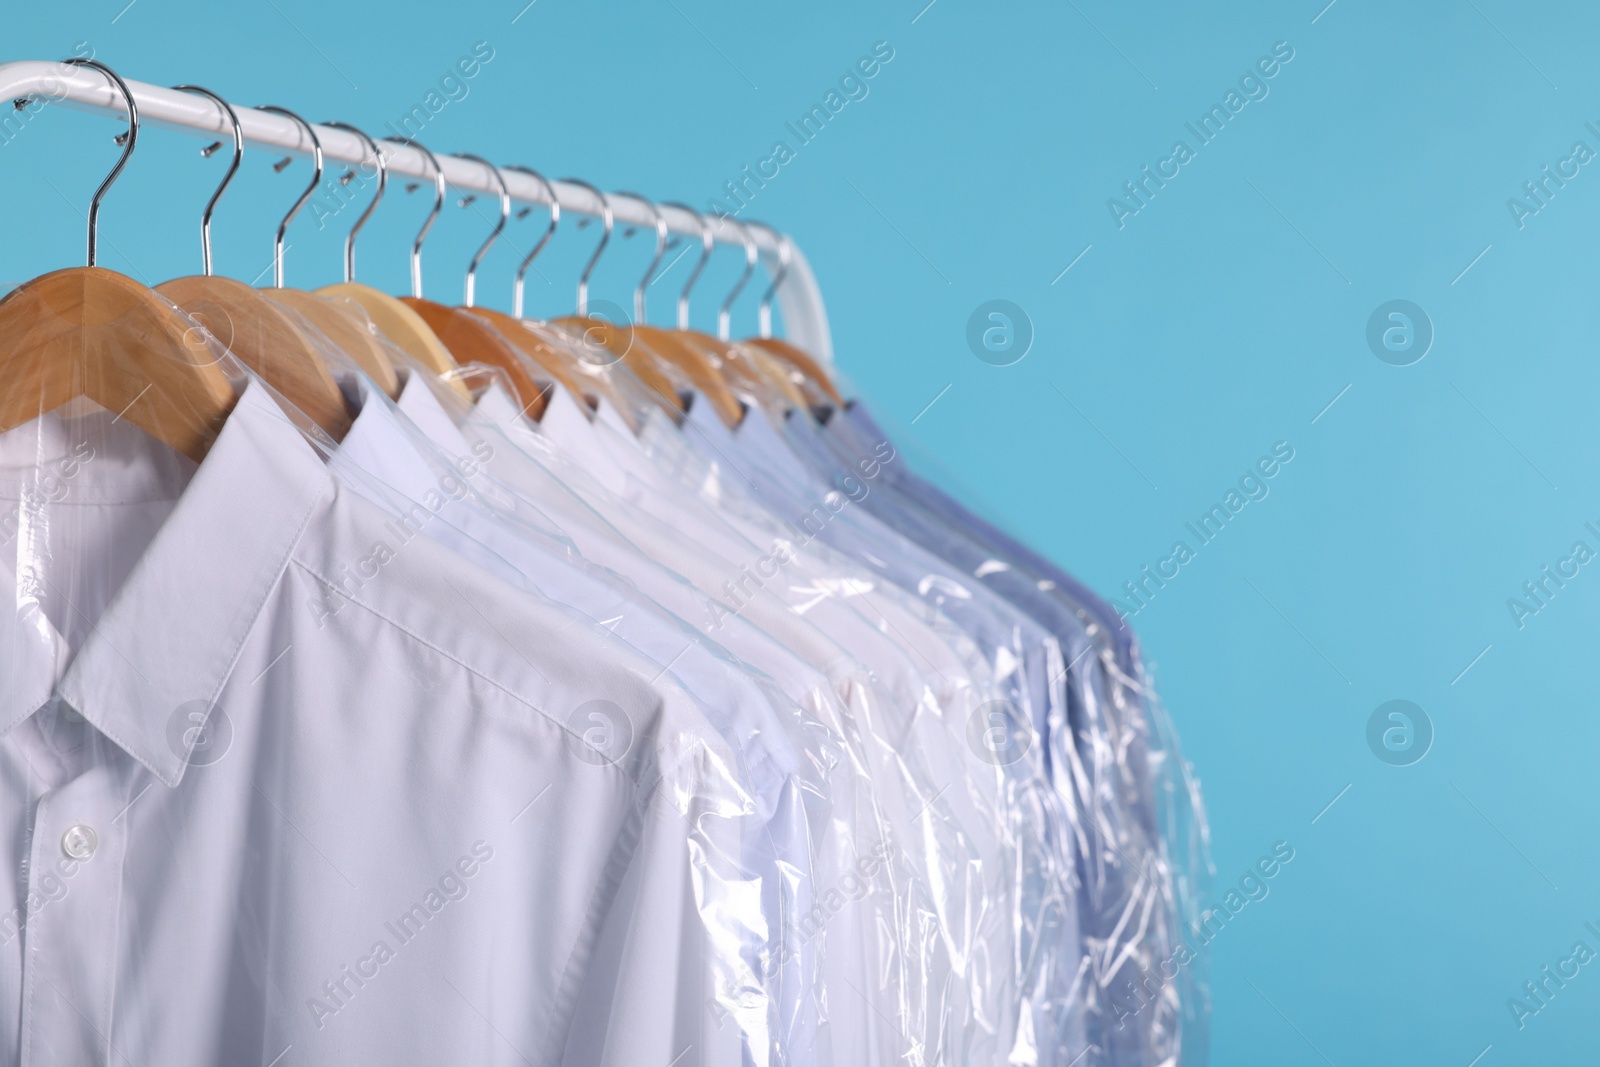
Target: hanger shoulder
[
  {"x": 781, "y": 382},
  {"x": 267, "y": 341},
  {"x": 340, "y": 327},
  {"x": 796, "y": 358},
  {"x": 88, "y": 331},
  {"x": 704, "y": 375},
  {"x": 592, "y": 334},
  {"x": 400, "y": 324},
  {"x": 471, "y": 339},
  {"x": 537, "y": 351}
]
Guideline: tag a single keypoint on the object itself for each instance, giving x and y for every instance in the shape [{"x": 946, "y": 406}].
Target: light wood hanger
[
  {"x": 804, "y": 371},
  {"x": 256, "y": 330},
  {"x": 747, "y": 375},
  {"x": 472, "y": 337},
  {"x": 347, "y": 328},
  {"x": 603, "y": 342},
  {"x": 266, "y": 340},
  {"x": 535, "y": 340},
  {"x": 403, "y": 327},
  {"x": 347, "y": 333},
  {"x": 94, "y": 333},
  {"x": 538, "y": 352},
  {"x": 452, "y": 338},
  {"x": 700, "y": 372}
]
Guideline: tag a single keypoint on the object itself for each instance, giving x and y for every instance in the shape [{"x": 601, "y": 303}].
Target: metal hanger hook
[
  {"x": 707, "y": 245},
  {"x": 725, "y": 313},
  {"x": 661, "y": 251},
  {"x": 383, "y": 182},
  {"x": 316, "y": 180},
  {"x": 233, "y": 168},
  {"x": 127, "y": 140},
  {"x": 494, "y": 234},
  {"x": 609, "y": 220},
  {"x": 438, "y": 205},
  {"x": 785, "y": 256},
  {"x": 550, "y": 231}
]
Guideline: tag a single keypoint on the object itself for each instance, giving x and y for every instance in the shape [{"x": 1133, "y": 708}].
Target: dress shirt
[
  {"x": 866, "y": 991},
  {"x": 398, "y": 466},
  {"x": 944, "y": 755},
  {"x": 1101, "y": 767},
  {"x": 279, "y": 778},
  {"x": 1050, "y": 943},
  {"x": 1025, "y": 659},
  {"x": 1151, "y": 776},
  {"x": 946, "y": 834}
]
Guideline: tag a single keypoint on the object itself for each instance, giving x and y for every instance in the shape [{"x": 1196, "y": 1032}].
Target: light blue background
[{"x": 1223, "y": 318}]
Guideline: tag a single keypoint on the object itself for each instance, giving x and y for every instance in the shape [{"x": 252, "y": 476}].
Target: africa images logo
[
  {"x": 1399, "y": 733},
  {"x": 599, "y": 732},
  {"x": 997, "y": 733}
]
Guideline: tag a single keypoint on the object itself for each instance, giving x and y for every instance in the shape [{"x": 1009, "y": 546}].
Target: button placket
[{"x": 73, "y": 909}]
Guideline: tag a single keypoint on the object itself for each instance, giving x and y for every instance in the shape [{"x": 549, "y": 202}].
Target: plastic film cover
[{"x": 359, "y": 779}]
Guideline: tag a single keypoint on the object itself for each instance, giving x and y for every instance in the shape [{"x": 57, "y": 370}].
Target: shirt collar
[
  {"x": 388, "y": 455},
  {"x": 170, "y": 636},
  {"x": 419, "y": 404}
]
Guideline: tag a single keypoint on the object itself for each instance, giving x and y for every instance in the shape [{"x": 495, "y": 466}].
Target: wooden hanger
[
  {"x": 694, "y": 369},
  {"x": 802, "y": 370},
  {"x": 403, "y": 327},
  {"x": 698, "y": 372},
  {"x": 347, "y": 333},
  {"x": 91, "y": 332},
  {"x": 787, "y": 393},
  {"x": 744, "y": 361},
  {"x": 471, "y": 337},
  {"x": 735, "y": 366},
  {"x": 805, "y": 371},
  {"x": 603, "y": 344},
  {"x": 540, "y": 353},
  {"x": 342, "y": 320},
  {"x": 94, "y": 333},
  {"x": 399, "y": 325},
  {"x": 253, "y": 328},
  {"x": 546, "y": 346},
  {"x": 267, "y": 341}
]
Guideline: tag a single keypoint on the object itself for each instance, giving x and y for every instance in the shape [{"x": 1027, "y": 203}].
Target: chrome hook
[
  {"x": 785, "y": 255},
  {"x": 550, "y": 231},
  {"x": 233, "y": 168},
  {"x": 707, "y": 245},
  {"x": 494, "y": 235},
  {"x": 661, "y": 251},
  {"x": 316, "y": 180},
  {"x": 438, "y": 205},
  {"x": 383, "y": 182},
  {"x": 128, "y": 140},
  {"x": 725, "y": 313},
  {"x": 609, "y": 220}
]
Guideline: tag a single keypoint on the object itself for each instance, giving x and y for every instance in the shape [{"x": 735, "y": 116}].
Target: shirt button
[{"x": 79, "y": 842}]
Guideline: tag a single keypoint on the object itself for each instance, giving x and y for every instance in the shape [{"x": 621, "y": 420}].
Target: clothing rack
[{"x": 805, "y": 319}]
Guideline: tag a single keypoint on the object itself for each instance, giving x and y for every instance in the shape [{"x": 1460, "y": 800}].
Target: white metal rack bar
[{"x": 805, "y": 319}]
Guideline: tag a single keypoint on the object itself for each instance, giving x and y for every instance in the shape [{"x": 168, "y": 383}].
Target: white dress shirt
[
  {"x": 955, "y": 987},
  {"x": 282, "y": 781},
  {"x": 385, "y": 457},
  {"x": 814, "y": 933}
]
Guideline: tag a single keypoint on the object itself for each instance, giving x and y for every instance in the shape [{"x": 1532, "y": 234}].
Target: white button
[{"x": 79, "y": 842}]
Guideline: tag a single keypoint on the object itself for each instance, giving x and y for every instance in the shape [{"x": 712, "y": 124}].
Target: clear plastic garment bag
[{"x": 389, "y": 681}]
